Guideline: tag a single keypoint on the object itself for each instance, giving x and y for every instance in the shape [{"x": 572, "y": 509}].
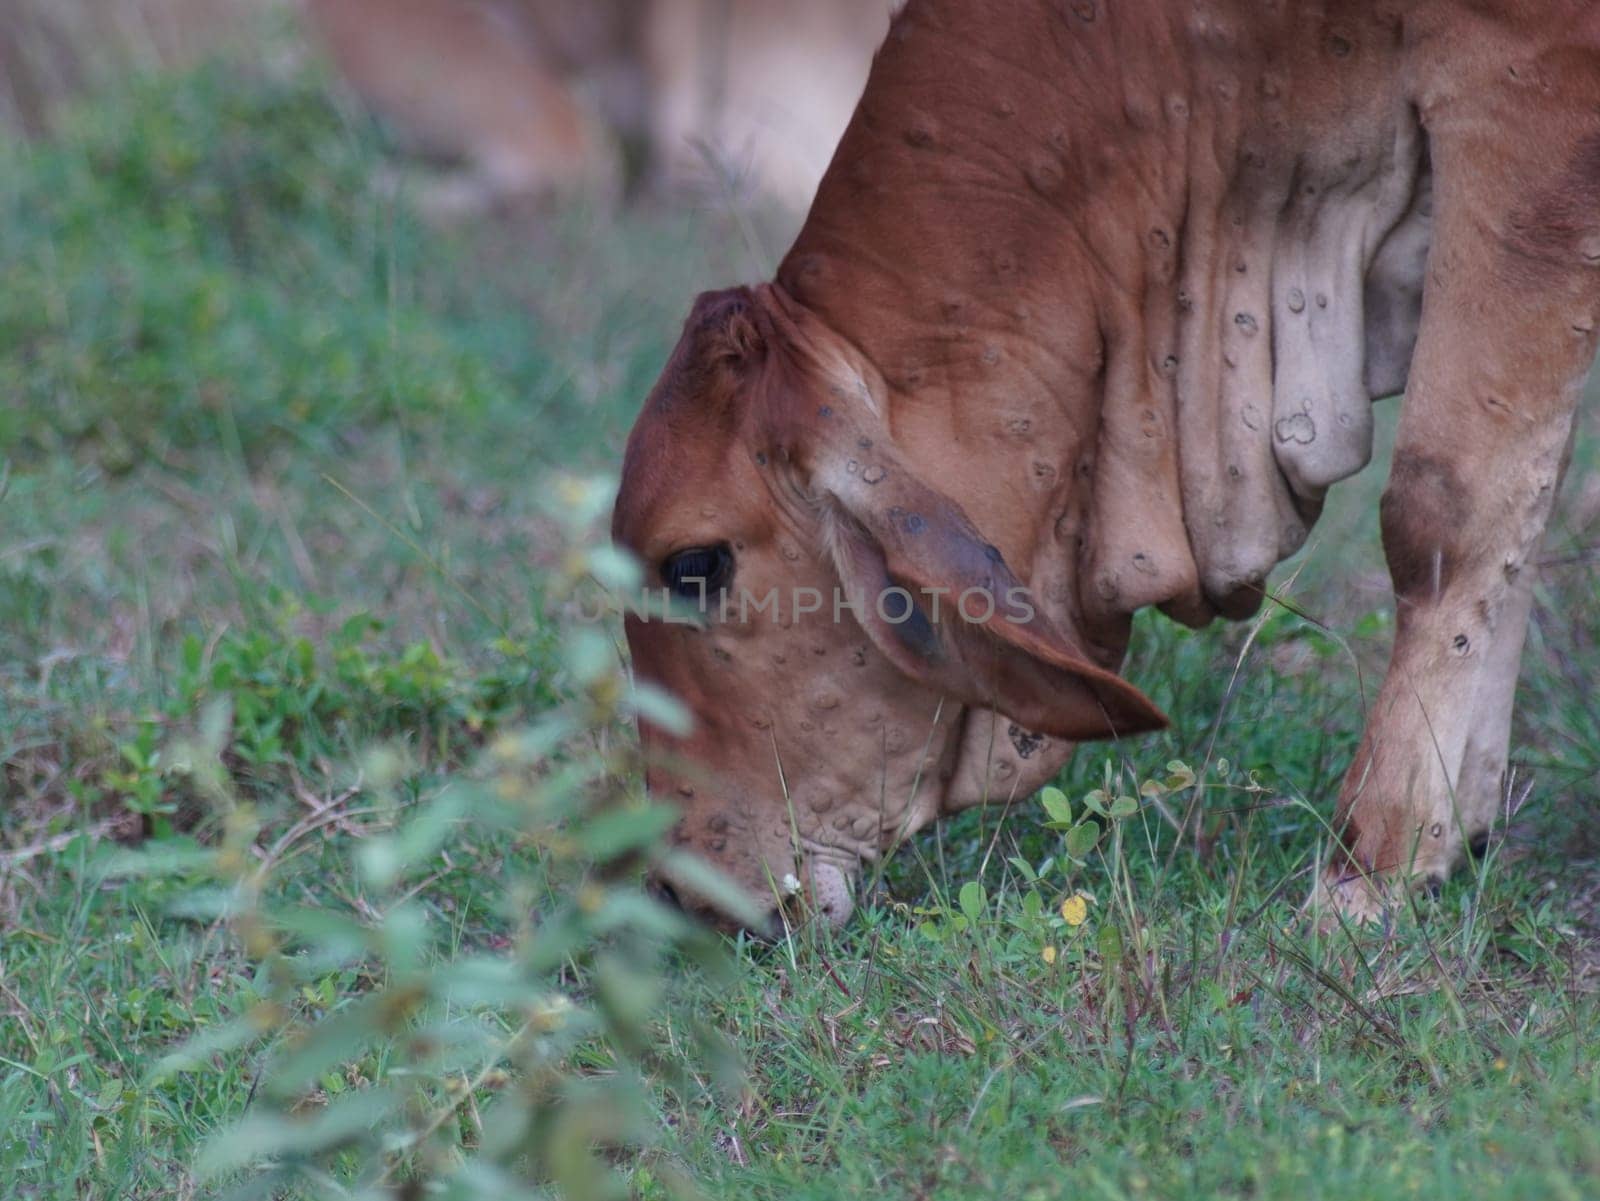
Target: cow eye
[{"x": 699, "y": 572}]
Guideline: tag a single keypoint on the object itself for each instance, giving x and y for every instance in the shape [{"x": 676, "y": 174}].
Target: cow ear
[
  {"x": 934, "y": 596},
  {"x": 722, "y": 328},
  {"x": 942, "y": 605}
]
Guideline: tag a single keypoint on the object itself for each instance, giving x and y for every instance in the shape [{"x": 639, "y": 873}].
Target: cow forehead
[{"x": 685, "y": 473}]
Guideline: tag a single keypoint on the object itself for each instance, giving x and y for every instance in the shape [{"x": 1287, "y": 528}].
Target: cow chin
[
  {"x": 788, "y": 890},
  {"x": 800, "y": 858}
]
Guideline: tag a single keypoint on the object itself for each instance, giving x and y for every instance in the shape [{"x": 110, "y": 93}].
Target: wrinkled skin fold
[{"x": 1090, "y": 311}]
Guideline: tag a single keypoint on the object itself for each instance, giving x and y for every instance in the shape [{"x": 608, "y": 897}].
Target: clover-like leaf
[
  {"x": 1123, "y": 807},
  {"x": 1082, "y": 839},
  {"x": 974, "y": 901},
  {"x": 1057, "y": 806}
]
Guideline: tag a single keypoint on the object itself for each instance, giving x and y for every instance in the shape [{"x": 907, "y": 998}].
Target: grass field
[{"x": 299, "y": 747}]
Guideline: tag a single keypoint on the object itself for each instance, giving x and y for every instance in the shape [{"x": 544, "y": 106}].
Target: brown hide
[
  {"x": 475, "y": 81},
  {"x": 1108, "y": 288},
  {"x": 535, "y": 96},
  {"x": 755, "y": 92}
]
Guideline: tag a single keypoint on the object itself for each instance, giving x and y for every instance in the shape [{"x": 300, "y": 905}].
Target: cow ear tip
[{"x": 1132, "y": 712}]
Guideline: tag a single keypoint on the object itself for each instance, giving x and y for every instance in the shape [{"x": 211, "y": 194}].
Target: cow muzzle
[{"x": 822, "y": 892}]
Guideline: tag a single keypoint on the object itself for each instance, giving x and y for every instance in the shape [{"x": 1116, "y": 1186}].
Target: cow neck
[
  {"x": 966, "y": 292},
  {"x": 1076, "y": 239}
]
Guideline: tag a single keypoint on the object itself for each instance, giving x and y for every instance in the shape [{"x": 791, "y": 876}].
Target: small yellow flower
[
  {"x": 1500, "y": 1063},
  {"x": 550, "y": 1014},
  {"x": 1075, "y": 909},
  {"x": 1049, "y": 954}
]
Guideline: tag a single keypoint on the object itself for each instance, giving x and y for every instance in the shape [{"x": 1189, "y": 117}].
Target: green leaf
[
  {"x": 613, "y": 834},
  {"x": 379, "y": 861},
  {"x": 1097, "y": 801},
  {"x": 339, "y": 1038},
  {"x": 1082, "y": 839},
  {"x": 974, "y": 901},
  {"x": 627, "y": 994},
  {"x": 334, "y": 935},
  {"x": 615, "y": 569},
  {"x": 625, "y": 911},
  {"x": 196, "y": 1053},
  {"x": 1109, "y": 943},
  {"x": 209, "y": 904},
  {"x": 263, "y": 1135},
  {"x": 1057, "y": 806},
  {"x": 403, "y": 937},
  {"x": 179, "y": 857},
  {"x": 110, "y": 1094},
  {"x": 1123, "y": 807},
  {"x": 693, "y": 877},
  {"x": 431, "y": 827},
  {"x": 589, "y": 654},
  {"x": 660, "y": 708},
  {"x": 1024, "y": 868}
]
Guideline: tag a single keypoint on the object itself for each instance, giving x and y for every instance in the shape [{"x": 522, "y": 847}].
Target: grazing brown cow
[
  {"x": 473, "y": 81},
  {"x": 1092, "y": 304}
]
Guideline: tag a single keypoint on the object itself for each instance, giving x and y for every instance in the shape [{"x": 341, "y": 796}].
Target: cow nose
[
  {"x": 831, "y": 895},
  {"x": 828, "y": 896}
]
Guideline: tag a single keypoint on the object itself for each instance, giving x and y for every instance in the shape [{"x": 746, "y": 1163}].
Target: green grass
[{"x": 279, "y": 471}]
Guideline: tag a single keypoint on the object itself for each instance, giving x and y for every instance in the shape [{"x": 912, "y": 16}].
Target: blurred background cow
[{"x": 520, "y": 99}]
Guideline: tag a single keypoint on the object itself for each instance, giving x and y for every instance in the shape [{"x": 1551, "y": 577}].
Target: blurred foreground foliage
[
  {"x": 389, "y": 863},
  {"x": 396, "y": 1064}
]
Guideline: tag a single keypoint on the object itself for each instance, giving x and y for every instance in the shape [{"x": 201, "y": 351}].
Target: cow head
[{"x": 856, "y": 634}]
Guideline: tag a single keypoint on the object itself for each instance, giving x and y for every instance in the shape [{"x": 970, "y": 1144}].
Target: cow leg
[
  {"x": 1509, "y": 313},
  {"x": 1481, "y": 790}
]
